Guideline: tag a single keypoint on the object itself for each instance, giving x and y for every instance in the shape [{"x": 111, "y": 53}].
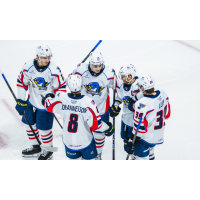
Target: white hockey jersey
[
  {"x": 49, "y": 79},
  {"x": 123, "y": 94},
  {"x": 97, "y": 88},
  {"x": 80, "y": 119},
  {"x": 154, "y": 110}
]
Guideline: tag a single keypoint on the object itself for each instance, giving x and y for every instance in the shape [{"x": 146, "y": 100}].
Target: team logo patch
[
  {"x": 94, "y": 88},
  {"x": 141, "y": 106},
  {"x": 40, "y": 82},
  {"x": 125, "y": 100}
]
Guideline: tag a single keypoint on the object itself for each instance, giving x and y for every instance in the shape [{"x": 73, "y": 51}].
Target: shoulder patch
[{"x": 141, "y": 106}]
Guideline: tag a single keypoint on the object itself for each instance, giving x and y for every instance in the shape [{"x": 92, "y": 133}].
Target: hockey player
[
  {"x": 81, "y": 118},
  {"x": 47, "y": 75},
  {"x": 127, "y": 90},
  {"x": 154, "y": 108},
  {"x": 97, "y": 79}
]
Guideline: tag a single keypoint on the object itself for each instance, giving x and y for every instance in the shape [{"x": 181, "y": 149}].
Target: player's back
[
  {"x": 154, "y": 109},
  {"x": 79, "y": 121}
]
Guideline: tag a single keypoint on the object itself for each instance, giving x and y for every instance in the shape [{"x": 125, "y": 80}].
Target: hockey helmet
[
  {"x": 127, "y": 70},
  {"x": 74, "y": 83},
  {"x": 44, "y": 51},
  {"x": 96, "y": 58},
  {"x": 147, "y": 81}
]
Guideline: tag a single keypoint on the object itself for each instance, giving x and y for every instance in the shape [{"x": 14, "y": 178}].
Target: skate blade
[{"x": 33, "y": 155}]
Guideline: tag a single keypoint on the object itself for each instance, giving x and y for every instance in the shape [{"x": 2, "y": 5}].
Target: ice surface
[{"x": 174, "y": 65}]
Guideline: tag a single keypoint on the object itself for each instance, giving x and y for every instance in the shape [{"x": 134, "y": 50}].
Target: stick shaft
[{"x": 92, "y": 51}]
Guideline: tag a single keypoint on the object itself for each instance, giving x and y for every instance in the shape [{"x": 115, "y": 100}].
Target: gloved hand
[
  {"x": 48, "y": 95},
  {"x": 130, "y": 104},
  {"x": 21, "y": 106},
  {"x": 111, "y": 129},
  {"x": 113, "y": 111},
  {"x": 128, "y": 146}
]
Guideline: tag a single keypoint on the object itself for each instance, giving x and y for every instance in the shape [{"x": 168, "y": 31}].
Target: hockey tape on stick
[{"x": 138, "y": 126}]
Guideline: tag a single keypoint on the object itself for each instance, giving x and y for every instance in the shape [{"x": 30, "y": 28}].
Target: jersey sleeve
[
  {"x": 167, "y": 111},
  {"x": 59, "y": 83},
  {"x": 22, "y": 83},
  {"x": 53, "y": 105},
  {"x": 94, "y": 119},
  {"x": 119, "y": 97},
  {"x": 110, "y": 78}
]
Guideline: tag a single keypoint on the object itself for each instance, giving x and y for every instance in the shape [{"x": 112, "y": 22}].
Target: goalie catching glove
[
  {"x": 114, "y": 111},
  {"x": 111, "y": 129},
  {"x": 21, "y": 106}
]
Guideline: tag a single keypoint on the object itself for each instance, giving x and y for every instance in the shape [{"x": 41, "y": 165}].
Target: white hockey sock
[
  {"x": 47, "y": 137},
  {"x": 99, "y": 141},
  {"x": 30, "y": 134},
  {"x": 151, "y": 154}
]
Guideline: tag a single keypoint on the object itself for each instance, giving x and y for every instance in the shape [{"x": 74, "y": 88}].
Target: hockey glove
[
  {"x": 130, "y": 104},
  {"x": 113, "y": 111},
  {"x": 128, "y": 146},
  {"x": 21, "y": 106},
  {"x": 111, "y": 129},
  {"x": 48, "y": 95}
]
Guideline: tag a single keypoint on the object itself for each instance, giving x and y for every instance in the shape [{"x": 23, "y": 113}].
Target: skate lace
[{"x": 29, "y": 149}]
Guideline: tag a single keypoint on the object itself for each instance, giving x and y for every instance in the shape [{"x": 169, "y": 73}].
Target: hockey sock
[
  {"x": 99, "y": 141},
  {"x": 30, "y": 135},
  {"x": 151, "y": 154},
  {"x": 47, "y": 137}
]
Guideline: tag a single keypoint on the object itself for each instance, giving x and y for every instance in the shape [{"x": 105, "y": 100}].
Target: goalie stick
[
  {"x": 52, "y": 149},
  {"x": 138, "y": 126},
  {"x": 34, "y": 83}
]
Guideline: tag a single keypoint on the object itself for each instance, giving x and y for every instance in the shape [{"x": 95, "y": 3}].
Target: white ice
[{"x": 174, "y": 65}]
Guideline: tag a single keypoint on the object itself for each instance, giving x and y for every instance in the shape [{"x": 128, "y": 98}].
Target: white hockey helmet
[
  {"x": 44, "y": 51},
  {"x": 147, "y": 81},
  {"x": 74, "y": 83},
  {"x": 96, "y": 58},
  {"x": 127, "y": 70}
]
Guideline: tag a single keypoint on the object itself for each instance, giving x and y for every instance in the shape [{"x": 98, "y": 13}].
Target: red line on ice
[
  {"x": 12, "y": 111},
  {"x": 188, "y": 45}
]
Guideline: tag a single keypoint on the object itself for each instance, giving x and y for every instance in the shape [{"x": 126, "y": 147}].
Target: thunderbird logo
[
  {"x": 40, "y": 82},
  {"x": 125, "y": 100},
  {"x": 94, "y": 89}
]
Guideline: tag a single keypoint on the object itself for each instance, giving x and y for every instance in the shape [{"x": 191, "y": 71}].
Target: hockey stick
[
  {"x": 52, "y": 149},
  {"x": 114, "y": 90},
  {"x": 138, "y": 126},
  {"x": 92, "y": 51},
  {"x": 34, "y": 83}
]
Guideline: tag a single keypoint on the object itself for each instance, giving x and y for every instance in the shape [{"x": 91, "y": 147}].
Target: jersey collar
[
  {"x": 75, "y": 97},
  {"x": 93, "y": 73},
  {"x": 153, "y": 96},
  {"x": 40, "y": 69}
]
